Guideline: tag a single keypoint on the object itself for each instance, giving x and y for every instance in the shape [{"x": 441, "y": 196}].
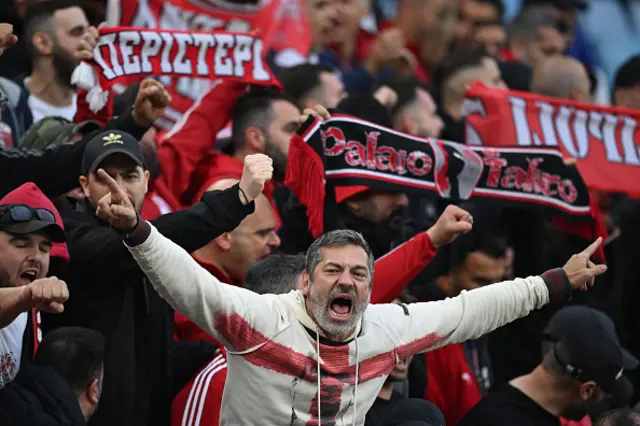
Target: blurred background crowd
[{"x": 403, "y": 64}]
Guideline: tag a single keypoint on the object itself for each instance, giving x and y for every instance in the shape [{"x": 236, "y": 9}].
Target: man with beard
[
  {"x": 26, "y": 237},
  {"x": 264, "y": 121},
  {"x": 53, "y": 32},
  {"x": 582, "y": 371},
  {"x": 322, "y": 353}
]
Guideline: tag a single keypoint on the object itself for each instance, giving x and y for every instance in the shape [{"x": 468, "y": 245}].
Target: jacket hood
[
  {"x": 297, "y": 302},
  {"x": 31, "y": 195}
]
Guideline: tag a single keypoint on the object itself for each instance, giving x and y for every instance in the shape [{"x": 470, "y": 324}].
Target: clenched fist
[
  {"x": 258, "y": 170},
  {"x": 151, "y": 101},
  {"x": 46, "y": 295},
  {"x": 453, "y": 222},
  {"x": 7, "y": 38},
  {"x": 116, "y": 207},
  {"x": 317, "y": 111},
  {"x": 84, "y": 51},
  {"x": 580, "y": 270}
]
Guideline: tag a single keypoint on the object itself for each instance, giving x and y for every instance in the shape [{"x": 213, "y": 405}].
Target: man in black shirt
[{"x": 581, "y": 371}]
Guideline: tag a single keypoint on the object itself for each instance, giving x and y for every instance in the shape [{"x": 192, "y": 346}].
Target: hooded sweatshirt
[
  {"x": 30, "y": 333},
  {"x": 274, "y": 346}
]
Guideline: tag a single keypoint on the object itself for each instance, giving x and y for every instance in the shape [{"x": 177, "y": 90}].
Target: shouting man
[{"x": 322, "y": 352}]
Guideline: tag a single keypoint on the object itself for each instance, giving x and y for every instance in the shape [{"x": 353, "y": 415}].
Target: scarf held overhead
[
  {"x": 345, "y": 151},
  {"x": 125, "y": 53},
  {"x": 605, "y": 141}
]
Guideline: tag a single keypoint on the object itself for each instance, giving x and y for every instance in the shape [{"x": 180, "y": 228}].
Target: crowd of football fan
[{"x": 105, "y": 322}]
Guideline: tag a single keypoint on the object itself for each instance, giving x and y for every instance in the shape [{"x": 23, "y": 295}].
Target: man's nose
[
  {"x": 345, "y": 278},
  {"x": 274, "y": 240}
]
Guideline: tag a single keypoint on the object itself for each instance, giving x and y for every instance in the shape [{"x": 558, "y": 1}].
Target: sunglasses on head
[{"x": 24, "y": 213}]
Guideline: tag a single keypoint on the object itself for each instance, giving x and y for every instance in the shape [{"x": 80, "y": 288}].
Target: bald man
[{"x": 562, "y": 77}]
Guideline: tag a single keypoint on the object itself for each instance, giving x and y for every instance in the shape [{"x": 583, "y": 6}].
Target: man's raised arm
[
  {"x": 228, "y": 313},
  {"x": 426, "y": 326}
]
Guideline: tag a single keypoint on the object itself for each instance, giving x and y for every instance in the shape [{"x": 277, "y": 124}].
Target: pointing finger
[
  {"x": 111, "y": 183},
  {"x": 592, "y": 247}
]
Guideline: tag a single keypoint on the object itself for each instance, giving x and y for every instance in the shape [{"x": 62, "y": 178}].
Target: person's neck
[
  {"x": 348, "y": 48},
  {"x": 453, "y": 106},
  {"x": 387, "y": 391},
  {"x": 211, "y": 256},
  {"x": 542, "y": 388},
  {"x": 45, "y": 85}
]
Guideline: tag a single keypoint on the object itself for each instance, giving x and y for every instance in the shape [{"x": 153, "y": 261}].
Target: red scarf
[
  {"x": 605, "y": 141},
  {"x": 123, "y": 53}
]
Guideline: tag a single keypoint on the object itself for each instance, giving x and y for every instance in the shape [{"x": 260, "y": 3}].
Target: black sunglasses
[{"x": 24, "y": 213}]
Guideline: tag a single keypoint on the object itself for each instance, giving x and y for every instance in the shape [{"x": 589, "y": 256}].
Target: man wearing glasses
[{"x": 27, "y": 232}]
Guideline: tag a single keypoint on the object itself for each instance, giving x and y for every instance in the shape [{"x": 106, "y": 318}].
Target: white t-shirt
[
  {"x": 11, "y": 348},
  {"x": 41, "y": 109}
]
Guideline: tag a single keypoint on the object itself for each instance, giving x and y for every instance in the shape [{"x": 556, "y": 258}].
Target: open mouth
[
  {"x": 341, "y": 305},
  {"x": 29, "y": 275}
]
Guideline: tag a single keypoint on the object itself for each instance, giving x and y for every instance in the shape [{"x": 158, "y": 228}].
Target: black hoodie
[{"x": 39, "y": 397}]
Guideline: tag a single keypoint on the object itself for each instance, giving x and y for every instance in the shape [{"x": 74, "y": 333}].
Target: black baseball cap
[
  {"x": 589, "y": 349},
  {"x": 107, "y": 143},
  {"x": 20, "y": 219}
]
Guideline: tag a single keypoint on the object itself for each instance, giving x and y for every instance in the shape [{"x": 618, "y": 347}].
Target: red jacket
[
  {"x": 199, "y": 402},
  {"x": 451, "y": 384}
]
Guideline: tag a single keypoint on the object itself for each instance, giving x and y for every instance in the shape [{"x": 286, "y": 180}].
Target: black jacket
[
  {"x": 54, "y": 170},
  {"x": 39, "y": 397},
  {"x": 110, "y": 294}
]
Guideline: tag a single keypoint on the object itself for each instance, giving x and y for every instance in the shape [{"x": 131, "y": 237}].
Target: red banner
[
  {"x": 604, "y": 141},
  {"x": 271, "y": 18}
]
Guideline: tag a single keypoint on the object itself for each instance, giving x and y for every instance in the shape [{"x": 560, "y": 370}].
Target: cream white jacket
[{"x": 275, "y": 349}]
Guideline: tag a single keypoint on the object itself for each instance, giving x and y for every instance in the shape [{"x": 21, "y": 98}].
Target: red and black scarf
[{"x": 346, "y": 151}]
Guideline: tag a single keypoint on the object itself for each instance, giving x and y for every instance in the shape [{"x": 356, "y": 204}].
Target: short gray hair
[
  {"x": 338, "y": 238},
  {"x": 530, "y": 20},
  {"x": 275, "y": 274}
]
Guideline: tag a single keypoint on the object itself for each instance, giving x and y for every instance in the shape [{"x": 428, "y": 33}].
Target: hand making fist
[
  {"x": 7, "y": 38},
  {"x": 453, "y": 222},
  {"x": 46, "y": 295},
  {"x": 258, "y": 170},
  {"x": 151, "y": 101},
  {"x": 580, "y": 270},
  {"x": 116, "y": 207}
]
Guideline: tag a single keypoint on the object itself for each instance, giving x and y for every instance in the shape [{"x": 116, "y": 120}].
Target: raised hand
[
  {"x": 580, "y": 270},
  {"x": 47, "y": 295},
  {"x": 453, "y": 222},
  {"x": 116, "y": 207},
  {"x": 7, "y": 38},
  {"x": 258, "y": 170},
  {"x": 317, "y": 111},
  {"x": 151, "y": 102},
  {"x": 386, "y": 96},
  {"x": 84, "y": 51}
]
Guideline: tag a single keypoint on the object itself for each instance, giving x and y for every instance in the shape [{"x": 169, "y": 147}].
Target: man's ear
[
  {"x": 587, "y": 390},
  {"x": 223, "y": 242},
  {"x": 254, "y": 139},
  {"x": 43, "y": 43},
  {"x": 305, "y": 283},
  {"x": 93, "y": 391},
  {"x": 146, "y": 175},
  {"x": 84, "y": 184}
]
